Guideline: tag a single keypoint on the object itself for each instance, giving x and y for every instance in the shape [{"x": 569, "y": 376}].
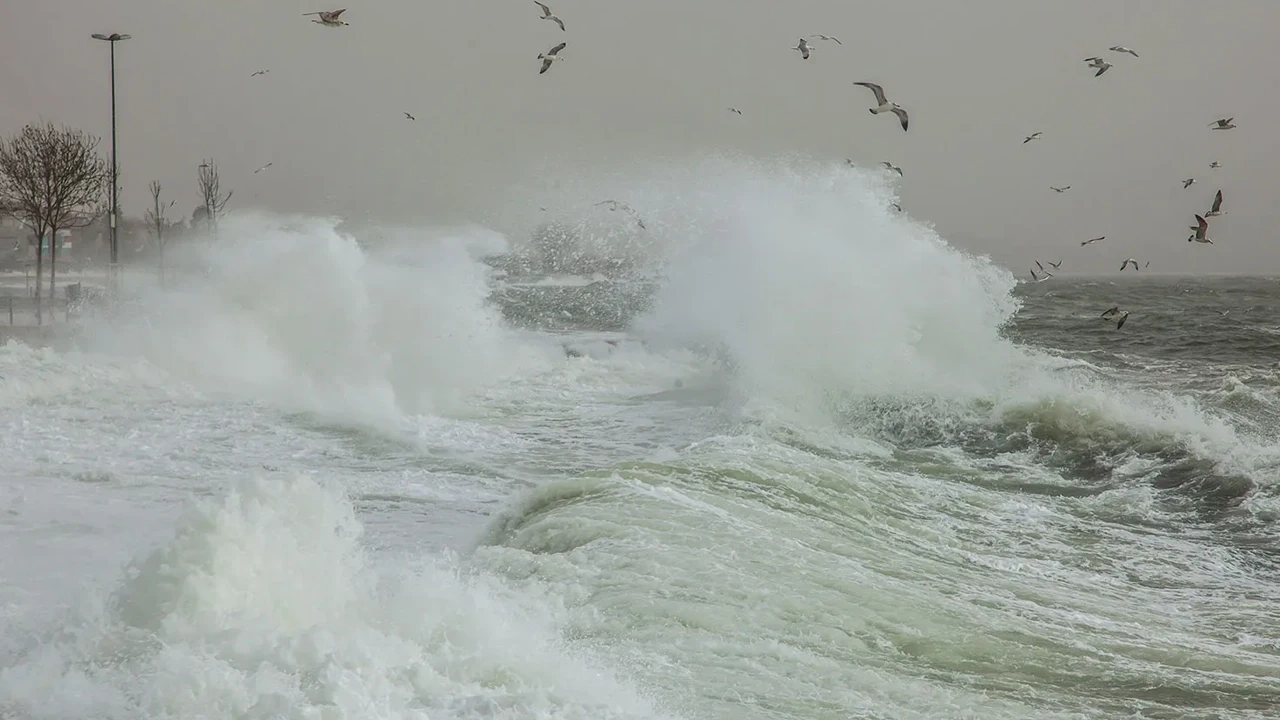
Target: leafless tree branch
[
  {"x": 158, "y": 223},
  {"x": 211, "y": 194},
  {"x": 51, "y": 179}
]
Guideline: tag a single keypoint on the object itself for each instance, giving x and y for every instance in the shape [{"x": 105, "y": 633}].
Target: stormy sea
[{"x": 749, "y": 444}]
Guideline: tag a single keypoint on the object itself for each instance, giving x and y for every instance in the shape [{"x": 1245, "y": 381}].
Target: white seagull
[
  {"x": 1120, "y": 322},
  {"x": 1060, "y": 189},
  {"x": 1125, "y": 264},
  {"x": 1039, "y": 278},
  {"x": 328, "y": 17},
  {"x": 549, "y": 57},
  {"x": 1188, "y": 183},
  {"x": 546, "y": 14},
  {"x": 1032, "y": 136},
  {"x": 264, "y": 167},
  {"x": 259, "y": 72},
  {"x": 1223, "y": 124},
  {"x": 1092, "y": 240},
  {"x": 1201, "y": 227},
  {"x": 735, "y": 110},
  {"x": 1099, "y": 64},
  {"x": 890, "y": 166},
  {"x": 1217, "y": 206},
  {"x": 1215, "y": 165},
  {"x": 1122, "y": 49},
  {"x": 885, "y": 105},
  {"x": 803, "y": 47},
  {"x": 820, "y": 36}
]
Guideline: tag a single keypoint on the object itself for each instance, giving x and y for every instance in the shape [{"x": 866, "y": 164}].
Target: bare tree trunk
[
  {"x": 53, "y": 271},
  {"x": 162, "y": 280},
  {"x": 39, "y": 278}
]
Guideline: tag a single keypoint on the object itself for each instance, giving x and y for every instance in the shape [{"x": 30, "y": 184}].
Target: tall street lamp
[{"x": 112, "y": 39}]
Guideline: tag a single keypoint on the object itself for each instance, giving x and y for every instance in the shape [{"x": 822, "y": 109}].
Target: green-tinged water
[{"x": 753, "y": 479}]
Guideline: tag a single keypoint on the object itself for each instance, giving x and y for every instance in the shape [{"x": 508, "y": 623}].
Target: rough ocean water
[{"x": 782, "y": 453}]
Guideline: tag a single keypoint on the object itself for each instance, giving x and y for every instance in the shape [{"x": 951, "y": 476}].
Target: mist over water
[
  {"x": 296, "y": 314},
  {"x": 780, "y": 452}
]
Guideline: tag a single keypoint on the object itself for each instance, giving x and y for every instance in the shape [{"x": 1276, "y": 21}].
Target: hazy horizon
[{"x": 648, "y": 80}]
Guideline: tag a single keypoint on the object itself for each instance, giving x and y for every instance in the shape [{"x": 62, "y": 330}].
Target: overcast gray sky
[{"x": 656, "y": 76}]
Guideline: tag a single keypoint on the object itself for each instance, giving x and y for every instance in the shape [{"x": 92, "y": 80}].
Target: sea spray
[
  {"x": 802, "y": 277},
  {"x": 292, "y": 312}
]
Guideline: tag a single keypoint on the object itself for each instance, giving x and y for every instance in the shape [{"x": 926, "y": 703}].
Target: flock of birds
[
  {"x": 1200, "y": 231},
  {"x": 332, "y": 18}
]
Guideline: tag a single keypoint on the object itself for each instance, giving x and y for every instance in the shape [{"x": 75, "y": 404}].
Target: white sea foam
[{"x": 264, "y": 605}]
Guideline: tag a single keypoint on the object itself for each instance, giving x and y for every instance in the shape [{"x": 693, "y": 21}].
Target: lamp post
[{"x": 112, "y": 39}]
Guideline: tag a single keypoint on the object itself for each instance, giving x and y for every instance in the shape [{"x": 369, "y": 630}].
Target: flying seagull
[
  {"x": 1201, "y": 227},
  {"x": 1120, "y": 322},
  {"x": 890, "y": 166},
  {"x": 1122, "y": 49},
  {"x": 260, "y": 72},
  {"x": 820, "y": 36},
  {"x": 1060, "y": 189},
  {"x": 735, "y": 110},
  {"x": 264, "y": 167},
  {"x": 1055, "y": 265},
  {"x": 1188, "y": 183},
  {"x": 407, "y": 115},
  {"x": 803, "y": 47},
  {"x": 896, "y": 206},
  {"x": 1113, "y": 311},
  {"x": 1215, "y": 165},
  {"x": 1125, "y": 264},
  {"x": 1092, "y": 240},
  {"x": 616, "y": 205},
  {"x": 885, "y": 105},
  {"x": 328, "y": 17},
  {"x": 1040, "y": 278},
  {"x": 1217, "y": 206},
  {"x": 1223, "y": 124},
  {"x": 1098, "y": 63},
  {"x": 1032, "y": 136},
  {"x": 546, "y": 14},
  {"x": 549, "y": 57}
]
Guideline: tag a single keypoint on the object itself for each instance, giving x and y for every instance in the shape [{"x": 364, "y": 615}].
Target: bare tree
[
  {"x": 211, "y": 194},
  {"x": 52, "y": 179},
  {"x": 157, "y": 223}
]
